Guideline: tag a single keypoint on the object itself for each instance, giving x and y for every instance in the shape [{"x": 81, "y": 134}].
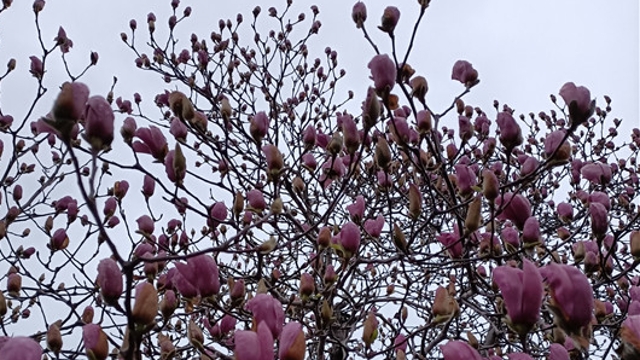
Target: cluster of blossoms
[{"x": 275, "y": 221}]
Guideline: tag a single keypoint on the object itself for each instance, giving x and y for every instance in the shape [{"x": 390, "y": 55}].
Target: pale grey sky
[{"x": 523, "y": 50}]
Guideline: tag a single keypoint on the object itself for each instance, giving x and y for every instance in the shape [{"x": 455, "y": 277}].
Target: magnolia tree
[{"x": 251, "y": 211}]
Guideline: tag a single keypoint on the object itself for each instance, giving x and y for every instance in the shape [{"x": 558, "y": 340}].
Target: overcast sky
[{"x": 523, "y": 50}]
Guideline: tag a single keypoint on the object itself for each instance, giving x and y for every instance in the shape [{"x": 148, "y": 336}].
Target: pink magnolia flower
[
  {"x": 519, "y": 356},
  {"x": 459, "y": 350},
  {"x": 59, "y": 240},
  {"x": 350, "y": 238},
  {"x": 265, "y": 308},
  {"x": 35, "y": 68},
  {"x": 558, "y": 352},
  {"x": 600, "y": 197},
  {"x": 98, "y": 125},
  {"x": 531, "y": 235},
  {"x": 515, "y": 208},
  {"x": 199, "y": 275},
  {"x": 359, "y": 13},
  {"x": 292, "y": 346},
  {"x": 400, "y": 343},
  {"x": 110, "y": 281},
  {"x": 178, "y": 129},
  {"x": 20, "y": 347},
  {"x": 599, "y": 219},
  {"x": 510, "y": 132},
  {"x": 578, "y": 99},
  {"x": 63, "y": 41},
  {"x": 511, "y": 238},
  {"x": 390, "y": 19},
  {"x": 565, "y": 211},
  {"x": 374, "y": 226},
  {"x": 522, "y": 292},
  {"x": 251, "y": 345},
  {"x": 552, "y": 144},
  {"x": 256, "y": 200},
  {"x": 467, "y": 179},
  {"x": 218, "y": 212},
  {"x": 273, "y": 158},
  {"x": 571, "y": 295},
  {"x": 451, "y": 241},
  {"x": 309, "y": 137},
  {"x": 259, "y": 126},
  {"x": 464, "y": 72},
  {"x": 153, "y": 142},
  {"x": 95, "y": 342},
  {"x": 383, "y": 73},
  {"x": 597, "y": 173},
  {"x": 309, "y": 161},
  {"x": 145, "y": 224},
  {"x": 356, "y": 209},
  {"x": 350, "y": 132}
]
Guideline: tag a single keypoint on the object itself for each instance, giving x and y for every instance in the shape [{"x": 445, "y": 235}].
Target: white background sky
[{"x": 523, "y": 50}]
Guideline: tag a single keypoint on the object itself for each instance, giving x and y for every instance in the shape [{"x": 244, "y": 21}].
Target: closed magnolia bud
[
  {"x": 87, "y": 315},
  {"x": 307, "y": 286},
  {"x": 95, "y": 342},
  {"x": 324, "y": 237},
  {"x": 370, "y": 331},
  {"x": 268, "y": 246},
  {"x": 14, "y": 284},
  {"x": 3, "y": 305},
  {"x": 146, "y": 304},
  {"x": 277, "y": 206},
  {"x": 473, "y": 341},
  {"x": 490, "y": 185},
  {"x": 168, "y": 304},
  {"x": 383, "y": 153},
  {"x": 399, "y": 239},
  {"x": 238, "y": 204},
  {"x": 474, "y": 216},
  {"x": 419, "y": 88},
  {"x": 298, "y": 184},
  {"x": 195, "y": 335},
  {"x": 415, "y": 202},
  {"x": 326, "y": 311},
  {"x": 225, "y": 109},
  {"x": 444, "y": 306},
  {"x": 635, "y": 244},
  {"x": 335, "y": 144},
  {"x": 54, "y": 339}
]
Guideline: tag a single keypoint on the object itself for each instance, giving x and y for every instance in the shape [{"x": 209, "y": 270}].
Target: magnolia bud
[
  {"x": 383, "y": 153},
  {"x": 474, "y": 216},
  {"x": 54, "y": 339},
  {"x": 415, "y": 202},
  {"x": 370, "y": 331},
  {"x": 146, "y": 304}
]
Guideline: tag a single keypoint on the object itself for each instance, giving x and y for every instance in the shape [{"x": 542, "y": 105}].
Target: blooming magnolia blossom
[
  {"x": 256, "y": 345},
  {"x": 578, "y": 99},
  {"x": 374, "y": 226},
  {"x": 558, "y": 352},
  {"x": 268, "y": 310},
  {"x": 515, "y": 207},
  {"x": 464, "y": 72},
  {"x": 571, "y": 295},
  {"x": 110, "y": 280},
  {"x": 597, "y": 172},
  {"x": 459, "y": 350},
  {"x": 350, "y": 238},
  {"x": 152, "y": 142},
  {"x": 20, "y": 347},
  {"x": 292, "y": 346},
  {"x": 356, "y": 209},
  {"x": 522, "y": 292},
  {"x": 98, "y": 126},
  {"x": 510, "y": 132},
  {"x": 199, "y": 276},
  {"x": 383, "y": 73}
]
